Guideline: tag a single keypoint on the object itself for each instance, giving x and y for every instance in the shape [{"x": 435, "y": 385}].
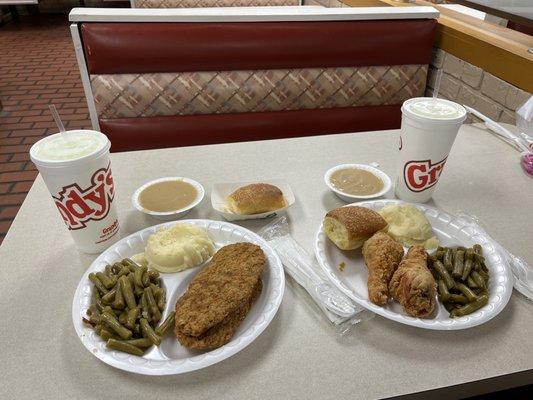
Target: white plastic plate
[
  {"x": 221, "y": 191},
  {"x": 451, "y": 232},
  {"x": 170, "y": 357}
]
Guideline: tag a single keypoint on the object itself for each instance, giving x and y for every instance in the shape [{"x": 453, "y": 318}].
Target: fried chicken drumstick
[
  {"x": 382, "y": 255},
  {"x": 413, "y": 285}
]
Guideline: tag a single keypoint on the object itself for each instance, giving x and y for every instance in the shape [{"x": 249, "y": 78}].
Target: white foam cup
[
  {"x": 429, "y": 127},
  {"x": 76, "y": 169}
]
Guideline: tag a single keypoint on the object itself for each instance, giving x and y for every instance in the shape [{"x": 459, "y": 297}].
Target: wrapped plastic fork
[
  {"x": 522, "y": 271},
  {"x": 342, "y": 312}
]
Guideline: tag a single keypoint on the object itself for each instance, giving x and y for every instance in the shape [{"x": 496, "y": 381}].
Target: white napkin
[{"x": 341, "y": 311}]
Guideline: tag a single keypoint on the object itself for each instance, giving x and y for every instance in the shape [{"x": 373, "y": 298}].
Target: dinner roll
[
  {"x": 349, "y": 227},
  {"x": 256, "y": 198}
]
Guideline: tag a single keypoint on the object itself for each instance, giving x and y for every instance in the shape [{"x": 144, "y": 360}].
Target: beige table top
[{"x": 298, "y": 355}]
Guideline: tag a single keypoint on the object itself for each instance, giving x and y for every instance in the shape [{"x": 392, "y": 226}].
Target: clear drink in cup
[
  {"x": 76, "y": 169},
  {"x": 429, "y": 128}
]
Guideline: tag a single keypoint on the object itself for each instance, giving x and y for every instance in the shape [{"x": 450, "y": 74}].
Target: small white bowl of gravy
[
  {"x": 353, "y": 182},
  {"x": 168, "y": 198}
]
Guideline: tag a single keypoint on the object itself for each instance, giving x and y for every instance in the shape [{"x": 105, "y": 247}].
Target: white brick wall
[{"x": 467, "y": 84}]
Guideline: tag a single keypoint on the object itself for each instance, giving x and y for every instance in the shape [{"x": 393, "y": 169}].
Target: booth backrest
[{"x": 158, "y": 82}]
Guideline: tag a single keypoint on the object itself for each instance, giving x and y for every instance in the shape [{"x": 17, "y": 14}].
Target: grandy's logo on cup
[
  {"x": 78, "y": 206},
  {"x": 421, "y": 175}
]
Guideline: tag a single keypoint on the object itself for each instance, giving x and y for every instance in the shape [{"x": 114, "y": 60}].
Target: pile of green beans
[
  {"x": 462, "y": 279},
  {"x": 128, "y": 302}
]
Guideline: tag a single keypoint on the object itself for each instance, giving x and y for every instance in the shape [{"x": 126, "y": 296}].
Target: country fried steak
[
  {"x": 220, "y": 296},
  {"x": 222, "y": 333}
]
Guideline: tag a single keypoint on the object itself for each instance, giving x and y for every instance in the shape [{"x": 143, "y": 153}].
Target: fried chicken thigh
[
  {"x": 413, "y": 285},
  {"x": 382, "y": 255}
]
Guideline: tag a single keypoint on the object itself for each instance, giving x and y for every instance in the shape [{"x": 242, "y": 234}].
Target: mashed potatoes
[
  {"x": 409, "y": 226},
  {"x": 177, "y": 248}
]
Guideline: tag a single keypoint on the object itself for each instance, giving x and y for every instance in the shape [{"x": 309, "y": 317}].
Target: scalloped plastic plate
[
  {"x": 170, "y": 357},
  {"x": 451, "y": 232}
]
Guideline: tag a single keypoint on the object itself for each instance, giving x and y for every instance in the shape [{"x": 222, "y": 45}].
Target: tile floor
[{"x": 37, "y": 67}]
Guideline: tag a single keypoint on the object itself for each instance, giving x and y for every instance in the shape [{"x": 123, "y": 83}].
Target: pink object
[{"x": 527, "y": 163}]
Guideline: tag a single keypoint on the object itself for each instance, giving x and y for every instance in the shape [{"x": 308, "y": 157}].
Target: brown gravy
[
  {"x": 167, "y": 196},
  {"x": 356, "y": 181}
]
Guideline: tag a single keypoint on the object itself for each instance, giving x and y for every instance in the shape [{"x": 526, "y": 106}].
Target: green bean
[
  {"x": 484, "y": 267},
  {"x": 466, "y": 291},
  {"x": 477, "y": 249},
  {"x": 123, "y": 271},
  {"x": 471, "y": 283},
  {"x": 167, "y": 324},
  {"x": 130, "y": 263},
  {"x": 119, "y": 303},
  {"x": 125, "y": 347},
  {"x": 109, "y": 296},
  {"x": 94, "y": 318},
  {"x": 127, "y": 305},
  {"x": 142, "y": 342},
  {"x": 145, "y": 279},
  {"x": 116, "y": 267},
  {"x": 123, "y": 317},
  {"x": 106, "y": 280},
  {"x": 162, "y": 300},
  {"x": 99, "y": 305},
  {"x": 466, "y": 271},
  {"x": 458, "y": 298},
  {"x": 97, "y": 284},
  {"x": 439, "y": 254},
  {"x": 106, "y": 335},
  {"x": 458, "y": 264},
  {"x": 443, "y": 290},
  {"x": 127, "y": 292},
  {"x": 156, "y": 290},
  {"x": 483, "y": 274},
  {"x": 136, "y": 289},
  {"x": 154, "y": 309},
  {"x": 145, "y": 310},
  {"x": 470, "y": 307},
  {"x": 153, "y": 274},
  {"x": 480, "y": 282},
  {"x": 447, "y": 260},
  {"x": 149, "y": 333},
  {"x": 159, "y": 296},
  {"x": 479, "y": 258},
  {"x": 133, "y": 314},
  {"x": 111, "y": 321},
  {"x": 445, "y": 275},
  {"x": 138, "y": 275}
]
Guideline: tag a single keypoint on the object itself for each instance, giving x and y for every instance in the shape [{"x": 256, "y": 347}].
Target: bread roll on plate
[
  {"x": 349, "y": 227},
  {"x": 255, "y": 199}
]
